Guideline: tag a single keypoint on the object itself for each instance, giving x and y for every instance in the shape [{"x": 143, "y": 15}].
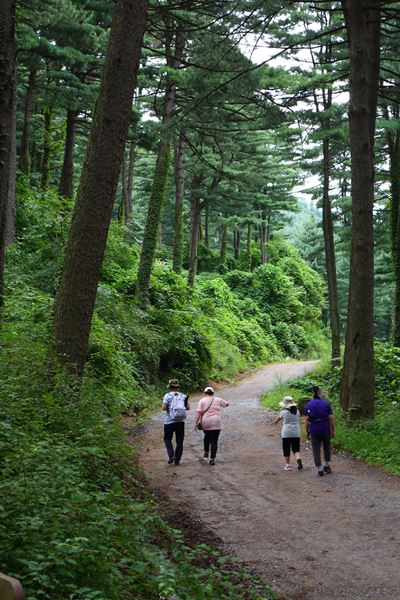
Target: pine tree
[
  {"x": 95, "y": 198},
  {"x": 179, "y": 173},
  {"x": 7, "y": 112},
  {"x": 363, "y": 27},
  {"x": 174, "y": 38}
]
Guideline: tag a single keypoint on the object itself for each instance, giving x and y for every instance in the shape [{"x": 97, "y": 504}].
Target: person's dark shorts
[{"x": 290, "y": 444}]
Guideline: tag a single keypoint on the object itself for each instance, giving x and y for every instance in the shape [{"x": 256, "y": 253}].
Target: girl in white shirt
[{"x": 290, "y": 417}]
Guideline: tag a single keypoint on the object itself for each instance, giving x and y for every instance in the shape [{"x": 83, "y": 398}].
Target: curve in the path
[{"x": 314, "y": 538}]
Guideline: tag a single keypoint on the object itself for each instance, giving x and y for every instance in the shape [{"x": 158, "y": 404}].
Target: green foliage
[
  {"x": 287, "y": 297},
  {"x": 216, "y": 330},
  {"x": 292, "y": 338},
  {"x": 75, "y": 521},
  {"x": 207, "y": 259},
  {"x": 76, "y": 533}
]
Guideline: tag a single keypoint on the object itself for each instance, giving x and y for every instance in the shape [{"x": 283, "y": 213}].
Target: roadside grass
[{"x": 271, "y": 399}]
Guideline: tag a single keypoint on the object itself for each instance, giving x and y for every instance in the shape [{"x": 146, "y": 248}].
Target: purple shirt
[{"x": 318, "y": 411}]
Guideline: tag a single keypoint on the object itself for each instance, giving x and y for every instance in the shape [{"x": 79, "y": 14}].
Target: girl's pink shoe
[{"x": 287, "y": 468}]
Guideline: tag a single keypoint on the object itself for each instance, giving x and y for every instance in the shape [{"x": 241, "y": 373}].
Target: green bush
[{"x": 241, "y": 282}]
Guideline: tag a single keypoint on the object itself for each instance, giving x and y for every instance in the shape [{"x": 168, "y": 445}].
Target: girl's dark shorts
[{"x": 290, "y": 443}]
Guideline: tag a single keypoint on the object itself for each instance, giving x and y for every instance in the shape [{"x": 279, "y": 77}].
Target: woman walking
[
  {"x": 209, "y": 413},
  {"x": 290, "y": 418},
  {"x": 320, "y": 425}
]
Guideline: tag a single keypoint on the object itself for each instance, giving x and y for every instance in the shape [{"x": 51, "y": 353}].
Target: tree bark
[
  {"x": 179, "y": 172},
  {"x": 152, "y": 226},
  {"x": 395, "y": 233},
  {"x": 236, "y": 244},
  {"x": 248, "y": 244},
  {"x": 330, "y": 257},
  {"x": 363, "y": 26},
  {"x": 127, "y": 182},
  {"x": 46, "y": 157},
  {"x": 66, "y": 180},
  {"x": 7, "y": 96},
  {"x": 206, "y": 225},
  {"x": 10, "y": 213},
  {"x": 224, "y": 234},
  {"x": 129, "y": 186},
  {"x": 394, "y": 157},
  {"x": 157, "y": 196},
  {"x": 263, "y": 236},
  {"x": 96, "y": 193},
  {"x": 24, "y": 157},
  {"x": 325, "y": 57},
  {"x": 268, "y": 233},
  {"x": 195, "y": 212}
]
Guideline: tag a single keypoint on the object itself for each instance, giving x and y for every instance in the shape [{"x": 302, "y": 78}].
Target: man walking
[
  {"x": 320, "y": 424},
  {"x": 175, "y": 404}
]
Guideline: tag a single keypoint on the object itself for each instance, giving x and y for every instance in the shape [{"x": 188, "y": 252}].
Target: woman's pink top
[{"x": 212, "y": 418}]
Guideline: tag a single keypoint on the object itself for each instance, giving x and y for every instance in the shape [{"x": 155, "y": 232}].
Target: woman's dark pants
[
  {"x": 316, "y": 441},
  {"x": 211, "y": 439}
]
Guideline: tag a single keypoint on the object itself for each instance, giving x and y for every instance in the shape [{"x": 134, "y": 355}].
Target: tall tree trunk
[
  {"x": 179, "y": 172},
  {"x": 66, "y": 180},
  {"x": 124, "y": 189},
  {"x": 268, "y": 233},
  {"x": 195, "y": 212},
  {"x": 24, "y": 159},
  {"x": 263, "y": 236},
  {"x": 96, "y": 193},
  {"x": 236, "y": 244},
  {"x": 10, "y": 213},
  {"x": 330, "y": 258},
  {"x": 152, "y": 226},
  {"x": 248, "y": 244},
  {"x": 363, "y": 27},
  {"x": 7, "y": 96},
  {"x": 324, "y": 57},
  {"x": 224, "y": 235},
  {"x": 206, "y": 225},
  {"x": 157, "y": 196},
  {"x": 394, "y": 154},
  {"x": 194, "y": 241},
  {"x": 127, "y": 182},
  {"x": 46, "y": 157}
]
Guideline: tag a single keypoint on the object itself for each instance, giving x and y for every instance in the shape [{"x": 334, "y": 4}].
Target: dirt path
[{"x": 332, "y": 537}]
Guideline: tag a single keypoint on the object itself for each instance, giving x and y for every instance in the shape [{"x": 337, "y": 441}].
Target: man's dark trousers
[{"x": 179, "y": 430}]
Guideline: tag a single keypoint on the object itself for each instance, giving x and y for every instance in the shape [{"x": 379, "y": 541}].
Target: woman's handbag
[{"x": 199, "y": 424}]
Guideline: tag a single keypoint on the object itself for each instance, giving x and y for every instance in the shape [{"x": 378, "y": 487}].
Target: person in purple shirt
[{"x": 320, "y": 425}]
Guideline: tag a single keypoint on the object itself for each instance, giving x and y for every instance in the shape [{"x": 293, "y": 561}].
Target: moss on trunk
[{"x": 152, "y": 226}]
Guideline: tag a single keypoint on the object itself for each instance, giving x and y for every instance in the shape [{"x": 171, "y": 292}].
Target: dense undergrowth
[
  {"x": 374, "y": 440},
  {"x": 72, "y": 524}
]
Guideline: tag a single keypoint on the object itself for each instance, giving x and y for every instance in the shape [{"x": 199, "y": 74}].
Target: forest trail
[{"x": 324, "y": 538}]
